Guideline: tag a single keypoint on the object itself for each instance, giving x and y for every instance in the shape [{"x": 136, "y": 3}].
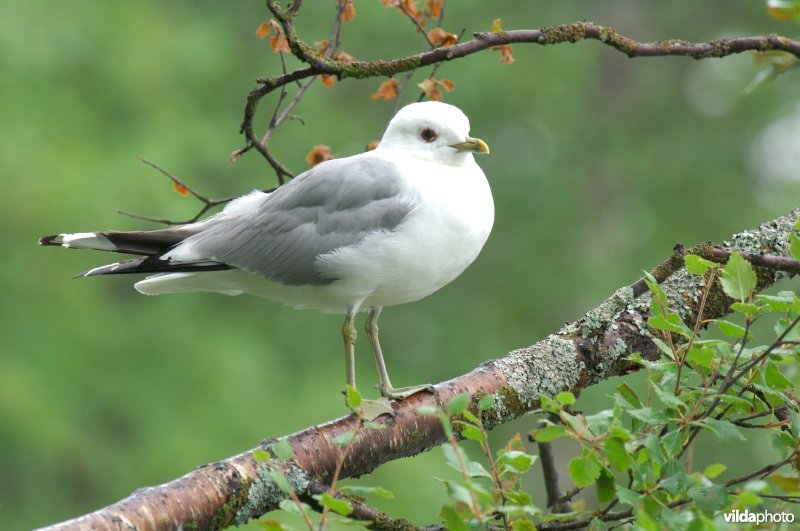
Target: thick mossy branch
[{"x": 587, "y": 351}]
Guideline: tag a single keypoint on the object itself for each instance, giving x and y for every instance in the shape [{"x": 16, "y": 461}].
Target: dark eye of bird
[{"x": 428, "y": 134}]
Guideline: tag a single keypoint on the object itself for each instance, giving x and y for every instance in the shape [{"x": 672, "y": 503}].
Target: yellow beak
[{"x": 474, "y": 145}]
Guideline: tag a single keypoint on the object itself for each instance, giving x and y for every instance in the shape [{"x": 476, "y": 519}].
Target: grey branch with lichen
[{"x": 582, "y": 353}]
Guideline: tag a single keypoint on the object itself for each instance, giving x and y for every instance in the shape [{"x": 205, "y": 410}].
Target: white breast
[{"x": 439, "y": 239}]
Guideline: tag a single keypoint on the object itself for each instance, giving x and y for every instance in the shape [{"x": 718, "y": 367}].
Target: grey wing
[{"x": 335, "y": 204}]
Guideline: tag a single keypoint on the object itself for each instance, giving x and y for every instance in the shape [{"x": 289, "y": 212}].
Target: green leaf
[
  {"x": 654, "y": 451},
  {"x": 515, "y": 461},
  {"x": 565, "y": 398},
  {"x": 549, "y": 433},
  {"x": 675, "y": 481},
  {"x": 726, "y": 431},
  {"x": 280, "y": 481},
  {"x": 477, "y": 470},
  {"x": 648, "y": 415},
  {"x": 628, "y": 496},
  {"x": 458, "y": 404},
  {"x": 468, "y": 415},
  {"x": 486, "y": 402},
  {"x": 458, "y": 493},
  {"x": 451, "y": 519},
  {"x": 600, "y": 421},
  {"x": 783, "y": 442},
  {"x": 709, "y": 499},
  {"x": 270, "y": 525},
  {"x": 352, "y": 397},
  {"x": 672, "y": 443},
  {"x": 618, "y": 456},
  {"x": 782, "y": 302},
  {"x": 336, "y": 505},
  {"x": 577, "y": 424},
  {"x": 548, "y": 404},
  {"x": 283, "y": 450},
  {"x": 730, "y": 329},
  {"x": 669, "y": 323},
  {"x": 663, "y": 347},
  {"x": 749, "y": 498},
  {"x": 659, "y": 300},
  {"x": 365, "y": 491},
  {"x": 667, "y": 397},
  {"x": 701, "y": 355},
  {"x": 794, "y": 246},
  {"x": 291, "y": 507},
  {"x": 584, "y": 470},
  {"x": 738, "y": 278},
  {"x": 714, "y": 470},
  {"x": 697, "y": 265},
  {"x": 746, "y": 308},
  {"x": 782, "y": 325},
  {"x": 261, "y": 455},
  {"x": 629, "y": 394},
  {"x": 522, "y": 524},
  {"x": 454, "y": 456},
  {"x": 774, "y": 378},
  {"x": 606, "y": 486},
  {"x": 471, "y": 432}
]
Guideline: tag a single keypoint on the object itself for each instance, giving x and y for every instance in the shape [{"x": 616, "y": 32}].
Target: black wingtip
[{"x": 49, "y": 240}]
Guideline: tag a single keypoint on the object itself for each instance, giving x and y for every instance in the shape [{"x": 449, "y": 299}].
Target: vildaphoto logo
[{"x": 763, "y": 517}]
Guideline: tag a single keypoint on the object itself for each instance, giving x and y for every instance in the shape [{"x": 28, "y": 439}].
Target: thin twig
[
  {"x": 285, "y": 114},
  {"x": 416, "y": 23},
  {"x": 208, "y": 203}
]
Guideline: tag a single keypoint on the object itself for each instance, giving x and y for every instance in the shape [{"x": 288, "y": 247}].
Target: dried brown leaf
[
  {"x": 321, "y": 46},
  {"x": 328, "y": 81},
  {"x": 319, "y": 153},
  {"x": 262, "y": 30},
  {"x": 440, "y": 37},
  {"x": 344, "y": 57},
  {"x": 446, "y": 84},
  {"x": 181, "y": 189},
  {"x": 278, "y": 40},
  {"x": 428, "y": 86},
  {"x": 387, "y": 90},
  {"x": 349, "y": 10},
  {"x": 506, "y": 56},
  {"x": 435, "y": 7}
]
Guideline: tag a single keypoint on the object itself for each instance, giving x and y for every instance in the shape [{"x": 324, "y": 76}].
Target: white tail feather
[{"x": 85, "y": 240}]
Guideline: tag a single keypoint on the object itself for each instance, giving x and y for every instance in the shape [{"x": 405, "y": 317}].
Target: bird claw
[
  {"x": 372, "y": 409},
  {"x": 404, "y": 392}
]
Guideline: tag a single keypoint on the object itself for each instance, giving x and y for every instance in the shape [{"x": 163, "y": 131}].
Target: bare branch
[
  {"x": 207, "y": 202},
  {"x": 565, "y": 33}
]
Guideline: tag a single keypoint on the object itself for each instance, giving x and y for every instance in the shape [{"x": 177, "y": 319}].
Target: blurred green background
[{"x": 599, "y": 165}]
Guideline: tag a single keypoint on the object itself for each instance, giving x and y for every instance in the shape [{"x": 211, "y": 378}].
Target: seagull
[{"x": 381, "y": 228}]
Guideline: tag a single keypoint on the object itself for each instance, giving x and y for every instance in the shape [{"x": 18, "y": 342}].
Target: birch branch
[{"x": 581, "y": 354}]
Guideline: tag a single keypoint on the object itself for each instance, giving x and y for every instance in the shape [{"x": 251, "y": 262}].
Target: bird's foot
[
  {"x": 372, "y": 409},
  {"x": 405, "y": 392}
]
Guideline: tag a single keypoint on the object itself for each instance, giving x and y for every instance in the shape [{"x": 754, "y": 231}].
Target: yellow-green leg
[
  {"x": 349, "y": 334},
  {"x": 384, "y": 385},
  {"x": 370, "y": 409}
]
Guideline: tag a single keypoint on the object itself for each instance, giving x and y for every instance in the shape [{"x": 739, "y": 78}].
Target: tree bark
[{"x": 582, "y": 353}]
